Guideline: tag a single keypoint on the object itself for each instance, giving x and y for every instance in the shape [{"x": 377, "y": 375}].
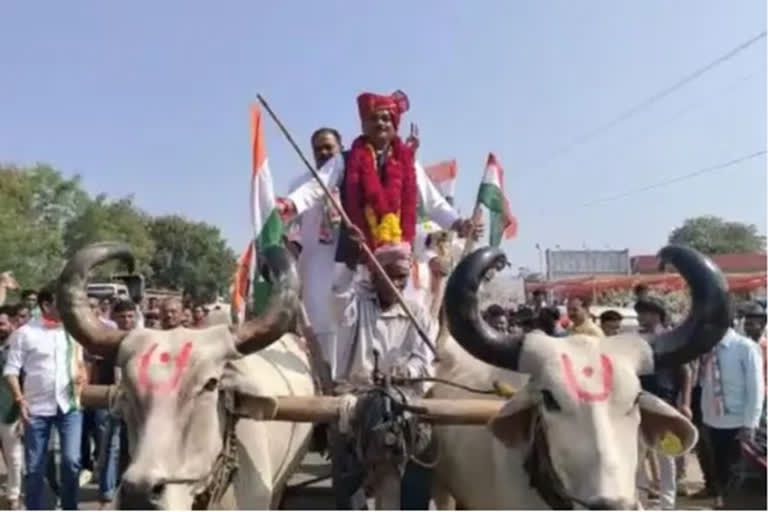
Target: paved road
[{"x": 318, "y": 496}]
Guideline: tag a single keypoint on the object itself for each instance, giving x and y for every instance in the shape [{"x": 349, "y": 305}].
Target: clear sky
[{"x": 151, "y": 98}]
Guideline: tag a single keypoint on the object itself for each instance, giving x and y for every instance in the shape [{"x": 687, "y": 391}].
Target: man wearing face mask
[{"x": 380, "y": 184}]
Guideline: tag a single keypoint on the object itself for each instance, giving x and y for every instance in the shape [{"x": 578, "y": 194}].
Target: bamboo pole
[{"x": 325, "y": 409}]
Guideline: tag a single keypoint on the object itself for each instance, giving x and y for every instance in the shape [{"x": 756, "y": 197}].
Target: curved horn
[
  {"x": 463, "y": 311},
  {"x": 72, "y": 299},
  {"x": 709, "y": 317},
  {"x": 279, "y": 316}
]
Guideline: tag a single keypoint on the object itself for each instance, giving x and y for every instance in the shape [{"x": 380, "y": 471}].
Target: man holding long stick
[{"x": 380, "y": 184}]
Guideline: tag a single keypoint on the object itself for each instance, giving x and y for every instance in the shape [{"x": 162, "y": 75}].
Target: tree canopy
[
  {"x": 714, "y": 235},
  {"x": 45, "y": 218},
  {"x": 192, "y": 256}
]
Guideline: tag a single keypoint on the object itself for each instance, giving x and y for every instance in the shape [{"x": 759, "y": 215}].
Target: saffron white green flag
[
  {"x": 267, "y": 225},
  {"x": 491, "y": 195}
]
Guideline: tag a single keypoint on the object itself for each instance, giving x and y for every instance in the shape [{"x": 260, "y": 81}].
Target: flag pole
[{"x": 347, "y": 222}]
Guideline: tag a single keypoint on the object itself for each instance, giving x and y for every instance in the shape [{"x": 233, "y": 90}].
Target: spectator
[
  {"x": 548, "y": 320},
  {"x": 578, "y": 313},
  {"x": 98, "y": 308},
  {"x": 754, "y": 328},
  {"x": 105, "y": 306},
  {"x": 198, "y": 317},
  {"x": 610, "y": 322},
  {"x": 152, "y": 319},
  {"x": 172, "y": 313},
  {"x": 20, "y": 315},
  {"x": 732, "y": 397},
  {"x": 497, "y": 318},
  {"x": 53, "y": 366},
  {"x": 641, "y": 292},
  {"x": 10, "y": 428},
  {"x": 124, "y": 313},
  {"x": 29, "y": 299},
  {"x": 525, "y": 318},
  {"x": 186, "y": 319},
  {"x": 539, "y": 301},
  {"x": 95, "y": 421},
  {"x": 114, "y": 443},
  {"x": 670, "y": 385}
]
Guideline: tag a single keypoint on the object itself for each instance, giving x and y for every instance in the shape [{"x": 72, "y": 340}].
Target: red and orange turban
[{"x": 396, "y": 104}]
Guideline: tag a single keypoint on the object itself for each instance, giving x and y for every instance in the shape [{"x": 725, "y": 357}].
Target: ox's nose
[
  {"x": 140, "y": 494},
  {"x": 609, "y": 504}
]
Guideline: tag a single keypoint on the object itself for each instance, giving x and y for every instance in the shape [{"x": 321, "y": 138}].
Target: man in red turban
[
  {"x": 379, "y": 181},
  {"x": 379, "y": 192}
]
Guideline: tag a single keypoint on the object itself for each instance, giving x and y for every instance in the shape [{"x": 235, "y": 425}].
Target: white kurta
[
  {"x": 317, "y": 265},
  {"x": 364, "y": 327}
]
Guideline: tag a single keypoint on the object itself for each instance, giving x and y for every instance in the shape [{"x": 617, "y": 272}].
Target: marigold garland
[
  {"x": 385, "y": 212},
  {"x": 386, "y": 231}
]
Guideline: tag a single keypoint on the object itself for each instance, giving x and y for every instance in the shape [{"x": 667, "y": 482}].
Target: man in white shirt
[
  {"x": 53, "y": 366},
  {"x": 318, "y": 231},
  {"x": 732, "y": 395},
  {"x": 370, "y": 320}
]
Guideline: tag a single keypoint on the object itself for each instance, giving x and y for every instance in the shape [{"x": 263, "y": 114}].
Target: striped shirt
[{"x": 50, "y": 359}]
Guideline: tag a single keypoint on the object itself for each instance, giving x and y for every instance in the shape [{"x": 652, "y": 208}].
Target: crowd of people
[
  {"x": 360, "y": 325},
  {"x": 44, "y": 371}
]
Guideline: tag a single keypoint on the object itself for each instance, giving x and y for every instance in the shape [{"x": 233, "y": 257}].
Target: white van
[{"x": 108, "y": 291}]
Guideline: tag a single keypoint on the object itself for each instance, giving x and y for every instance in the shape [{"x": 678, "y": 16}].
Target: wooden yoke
[{"x": 325, "y": 409}]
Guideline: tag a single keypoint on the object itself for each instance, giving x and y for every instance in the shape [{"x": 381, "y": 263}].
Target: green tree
[
  {"x": 119, "y": 220},
  {"x": 192, "y": 256},
  {"x": 713, "y": 235},
  {"x": 35, "y": 203}
]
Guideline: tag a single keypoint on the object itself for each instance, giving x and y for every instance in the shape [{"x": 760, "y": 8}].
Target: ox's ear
[
  {"x": 514, "y": 423},
  {"x": 663, "y": 428}
]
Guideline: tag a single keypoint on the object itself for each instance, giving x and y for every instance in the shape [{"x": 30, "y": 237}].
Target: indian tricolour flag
[
  {"x": 443, "y": 175},
  {"x": 267, "y": 225},
  {"x": 491, "y": 196}
]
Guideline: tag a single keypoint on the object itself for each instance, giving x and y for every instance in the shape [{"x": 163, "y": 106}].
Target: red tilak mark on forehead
[
  {"x": 145, "y": 380},
  {"x": 576, "y": 390}
]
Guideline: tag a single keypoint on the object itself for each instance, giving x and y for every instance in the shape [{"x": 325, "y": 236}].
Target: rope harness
[{"x": 225, "y": 467}]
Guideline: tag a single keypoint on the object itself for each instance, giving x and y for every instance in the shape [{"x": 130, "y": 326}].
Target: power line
[
  {"x": 677, "y": 179},
  {"x": 643, "y": 105}
]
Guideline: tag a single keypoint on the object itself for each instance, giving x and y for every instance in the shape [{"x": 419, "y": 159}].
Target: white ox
[
  {"x": 569, "y": 437},
  {"x": 173, "y": 393}
]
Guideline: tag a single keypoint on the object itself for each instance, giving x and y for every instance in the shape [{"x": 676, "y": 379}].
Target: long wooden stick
[
  {"x": 347, "y": 222},
  {"x": 321, "y": 368}
]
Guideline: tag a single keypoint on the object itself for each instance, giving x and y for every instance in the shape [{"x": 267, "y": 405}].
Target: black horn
[
  {"x": 279, "y": 270},
  {"x": 709, "y": 317},
  {"x": 463, "y": 311},
  {"x": 72, "y": 298}
]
